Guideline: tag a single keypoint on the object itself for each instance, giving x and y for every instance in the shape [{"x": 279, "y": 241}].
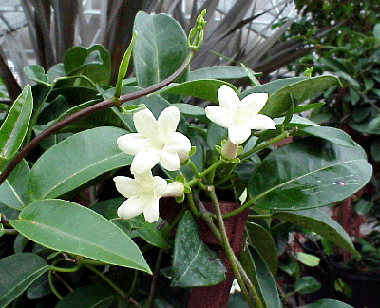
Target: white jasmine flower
[
  {"x": 156, "y": 141},
  {"x": 143, "y": 195},
  {"x": 239, "y": 117},
  {"x": 235, "y": 287}
]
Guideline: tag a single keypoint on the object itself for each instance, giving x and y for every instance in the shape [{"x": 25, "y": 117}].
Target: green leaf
[
  {"x": 90, "y": 296},
  {"x": 17, "y": 272},
  {"x": 308, "y": 174},
  {"x": 261, "y": 277},
  {"x": 322, "y": 224},
  {"x": 75, "y": 161},
  {"x": 327, "y": 303},
  {"x": 55, "y": 224},
  {"x": 194, "y": 263},
  {"x": 264, "y": 243},
  {"x": 363, "y": 207},
  {"x": 335, "y": 135},
  {"x": 13, "y": 192},
  {"x": 368, "y": 127},
  {"x": 279, "y": 102},
  {"x": 306, "y": 285},
  {"x": 150, "y": 232},
  {"x": 13, "y": 130},
  {"x": 375, "y": 150},
  {"x": 108, "y": 208},
  {"x": 37, "y": 74},
  {"x": 218, "y": 72},
  {"x": 93, "y": 62},
  {"x": 303, "y": 108},
  {"x": 272, "y": 87},
  {"x": 307, "y": 259},
  {"x": 190, "y": 110},
  {"x": 160, "y": 48},
  {"x": 206, "y": 89}
]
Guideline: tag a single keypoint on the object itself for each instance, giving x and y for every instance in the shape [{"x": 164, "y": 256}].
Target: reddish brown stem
[{"x": 89, "y": 110}]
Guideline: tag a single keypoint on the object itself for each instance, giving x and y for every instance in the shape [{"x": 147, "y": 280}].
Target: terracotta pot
[{"x": 214, "y": 296}]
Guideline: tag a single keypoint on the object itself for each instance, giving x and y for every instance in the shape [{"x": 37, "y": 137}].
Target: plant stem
[
  {"x": 106, "y": 279},
  {"x": 228, "y": 249},
  {"x": 193, "y": 207},
  {"x": 205, "y": 172},
  {"x": 52, "y": 287},
  {"x": 133, "y": 283},
  {"x": 90, "y": 110},
  {"x": 152, "y": 292}
]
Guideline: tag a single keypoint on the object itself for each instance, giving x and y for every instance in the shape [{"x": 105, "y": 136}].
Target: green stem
[
  {"x": 194, "y": 168},
  {"x": 192, "y": 205},
  {"x": 52, "y": 287},
  {"x": 133, "y": 283},
  {"x": 106, "y": 279},
  {"x": 263, "y": 145},
  {"x": 259, "y": 216},
  {"x": 205, "y": 172},
  {"x": 238, "y": 210},
  {"x": 228, "y": 249},
  {"x": 76, "y": 77}
]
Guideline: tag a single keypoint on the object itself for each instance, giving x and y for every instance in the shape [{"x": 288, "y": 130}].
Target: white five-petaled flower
[
  {"x": 156, "y": 141},
  {"x": 143, "y": 194},
  {"x": 239, "y": 117}
]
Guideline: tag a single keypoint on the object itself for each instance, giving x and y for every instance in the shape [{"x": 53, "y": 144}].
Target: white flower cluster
[{"x": 157, "y": 141}]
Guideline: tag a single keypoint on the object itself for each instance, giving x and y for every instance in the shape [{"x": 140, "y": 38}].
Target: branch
[{"x": 90, "y": 110}]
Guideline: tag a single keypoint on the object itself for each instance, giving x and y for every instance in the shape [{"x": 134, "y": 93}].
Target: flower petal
[
  {"x": 131, "y": 208},
  {"x": 151, "y": 210},
  {"x": 261, "y": 121},
  {"x": 219, "y": 115},
  {"x": 146, "y": 124},
  {"x": 126, "y": 186},
  {"x": 178, "y": 143},
  {"x": 132, "y": 143},
  {"x": 168, "y": 121},
  {"x": 145, "y": 160},
  {"x": 254, "y": 102},
  {"x": 174, "y": 189},
  {"x": 170, "y": 160},
  {"x": 228, "y": 98},
  {"x": 238, "y": 134},
  {"x": 159, "y": 186}
]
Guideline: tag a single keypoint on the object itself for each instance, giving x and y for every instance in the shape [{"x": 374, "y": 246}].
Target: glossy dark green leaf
[
  {"x": 303, "y": 108},
  {"x": 327, "y": 303},
  {"x": 306, "y": 285},
  {"x": 279, "y": 102},
  {"x": 264, "y": 243},
  {"x": 39, "y": 287},
  {"x": 150, "y": 232},
  {"x": 37, "y": 74},
  {"x": 194, "y": 263},
  {"x": 13, "y": 192},
  {"x": 93, "y": 62},
  {"x": 190, "y": 110},
  {"x": 90, "y": 296},
  {"x": 320, "y": 223},
  {"x": 15, "y": 126},
  {"x": 75, "y": 161},
  {"x": 261, "y": 277},
  {"x": 307, "y": 259},
  {"x": 218, "y": 72},
  {"x": 17, "y": 272},
  {"x": 335, "y": 135},
  {"x": 160, "y": 48},
  {"x": 272, "y": 87},
  {"x": 55, "y": 224},
  {"x": 307, "y": 174},
  {"x": 206, "y": 89},
  {"x": 108, "y": 208},
  {"x": 371, "y": 126}
]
